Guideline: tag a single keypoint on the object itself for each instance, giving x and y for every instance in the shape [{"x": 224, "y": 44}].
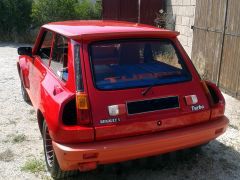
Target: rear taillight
[
  {"x": 115, "y": 110},
  {"x": 215, "y": 98},
  {"x": 83, "y": 109},
  {"x": 206, "y": 90},
  {"x": 191, "y": 100}
]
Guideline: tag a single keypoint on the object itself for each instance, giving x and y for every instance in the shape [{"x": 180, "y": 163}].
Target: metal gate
[
  {"x": 141, "y": 11},
  {"x": 216, "y": 43},
  {"x": 124, "y": 10}
]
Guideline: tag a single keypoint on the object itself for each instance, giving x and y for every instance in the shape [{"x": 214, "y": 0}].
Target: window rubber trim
[{"x": 78, "y": 68}]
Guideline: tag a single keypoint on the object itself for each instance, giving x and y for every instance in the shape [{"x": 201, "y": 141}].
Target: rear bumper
[{"x": 72, "y": 157}]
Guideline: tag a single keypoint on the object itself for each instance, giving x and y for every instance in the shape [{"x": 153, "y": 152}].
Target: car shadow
[
  {"x": 213, "y": 161},
  {"x": 14, "y": 45}
]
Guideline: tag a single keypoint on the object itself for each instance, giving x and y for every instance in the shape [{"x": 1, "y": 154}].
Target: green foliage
[
  {"x": 19, "y": 17},
  {"x": 15, "y": 16},
  {"x": 85, "y": 9},
  {"x": 98, "y": 9},
  {"x": 45, "y": 11}
]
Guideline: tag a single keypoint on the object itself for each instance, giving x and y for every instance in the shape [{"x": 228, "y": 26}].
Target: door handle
[{"x": 57, "y": 90}]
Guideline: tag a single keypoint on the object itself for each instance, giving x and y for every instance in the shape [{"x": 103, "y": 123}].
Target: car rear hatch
[
  {"x": 141, "y": 87},
  {"x": 163, "y": 108}
]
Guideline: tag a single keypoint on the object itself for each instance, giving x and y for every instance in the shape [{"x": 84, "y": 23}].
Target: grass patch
[
  {"x": 7, "y": 155},
  {"x": 18, "y": 138},
  {"x": 12, "y": 122},
  {"x": 33, "y": 119},
  {"x": 33, "y": 166},
  {"x": 234, "y": 126},
  {"x": 32, "y": 111},
  {"x": 15, "y": 138}
]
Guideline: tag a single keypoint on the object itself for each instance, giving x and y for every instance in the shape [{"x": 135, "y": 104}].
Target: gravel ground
[{"x": 21, "y": 151}]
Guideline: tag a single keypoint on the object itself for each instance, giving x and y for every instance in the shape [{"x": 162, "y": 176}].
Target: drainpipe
[
  {"x": 139, "y": 11},
  {"x": 223, "y": 42}
]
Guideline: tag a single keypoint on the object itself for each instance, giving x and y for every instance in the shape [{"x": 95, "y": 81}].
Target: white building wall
[{"x": 182, "y": 15}]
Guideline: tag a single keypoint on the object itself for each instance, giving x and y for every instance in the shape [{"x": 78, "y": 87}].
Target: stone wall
[{"x": 181, "y": 15}]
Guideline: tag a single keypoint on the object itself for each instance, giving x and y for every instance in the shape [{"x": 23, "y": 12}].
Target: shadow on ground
[
  {"x": 213, "y": 161},
  {"x": 13, "y": 45}
]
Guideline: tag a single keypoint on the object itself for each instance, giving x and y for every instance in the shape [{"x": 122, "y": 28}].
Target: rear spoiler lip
[{"x": 136, "y": 34}]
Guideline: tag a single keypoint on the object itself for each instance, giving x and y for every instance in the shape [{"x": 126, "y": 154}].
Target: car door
[
  {"x": 54, "y": 85},
  {"x": 38, "y": 66}
]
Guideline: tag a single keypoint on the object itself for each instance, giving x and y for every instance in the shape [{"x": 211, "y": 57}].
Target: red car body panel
[{"x": 49, "y": 96}]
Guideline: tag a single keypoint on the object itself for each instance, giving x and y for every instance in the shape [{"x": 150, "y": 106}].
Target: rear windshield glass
[{"x": 136, "y": 63}]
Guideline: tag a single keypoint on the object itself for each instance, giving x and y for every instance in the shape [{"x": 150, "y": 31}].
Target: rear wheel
[
  {"x": 25, "y": 94},
  {"x": 50, "y": 157}
]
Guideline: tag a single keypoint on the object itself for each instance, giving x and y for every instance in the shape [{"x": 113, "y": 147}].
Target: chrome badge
[
  {"x": 198, "y": 108},
  {"x": 109, "y": 121}
]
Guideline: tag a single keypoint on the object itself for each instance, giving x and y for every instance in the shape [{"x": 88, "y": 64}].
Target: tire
[
  {"x": 25, "y": 94},
  {"x": 50, "y": 157}
]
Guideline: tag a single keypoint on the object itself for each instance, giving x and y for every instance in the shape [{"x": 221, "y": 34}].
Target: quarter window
[{"x": 59, "y": 61}]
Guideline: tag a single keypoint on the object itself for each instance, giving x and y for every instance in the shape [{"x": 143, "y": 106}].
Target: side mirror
[{"x": 25, "y": 51}]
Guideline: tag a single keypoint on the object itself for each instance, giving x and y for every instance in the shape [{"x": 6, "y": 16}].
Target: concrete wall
[{"x": 181, "y": 15}]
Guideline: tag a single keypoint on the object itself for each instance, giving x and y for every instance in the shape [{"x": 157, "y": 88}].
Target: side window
[
  {"x": 45, "y": 48},
  {"x": 59, "y": 61}
]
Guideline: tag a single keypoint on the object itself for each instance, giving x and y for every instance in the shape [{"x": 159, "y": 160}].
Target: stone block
[
  {"x": 186, "y": 2},
  {"x": 185, "y": 21}
]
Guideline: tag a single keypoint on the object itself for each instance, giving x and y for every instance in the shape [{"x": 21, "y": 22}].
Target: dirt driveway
[{"x": 21, "y": 152}]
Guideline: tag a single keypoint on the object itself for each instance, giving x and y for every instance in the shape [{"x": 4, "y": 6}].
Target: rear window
[{"x": 125, "y": 64}]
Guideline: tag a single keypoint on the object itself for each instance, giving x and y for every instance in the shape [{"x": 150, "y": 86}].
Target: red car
[{"x": 108, "y": 91}]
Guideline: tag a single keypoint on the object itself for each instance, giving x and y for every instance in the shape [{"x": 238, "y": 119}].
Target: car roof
[{"x": 79, "y": 28}]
